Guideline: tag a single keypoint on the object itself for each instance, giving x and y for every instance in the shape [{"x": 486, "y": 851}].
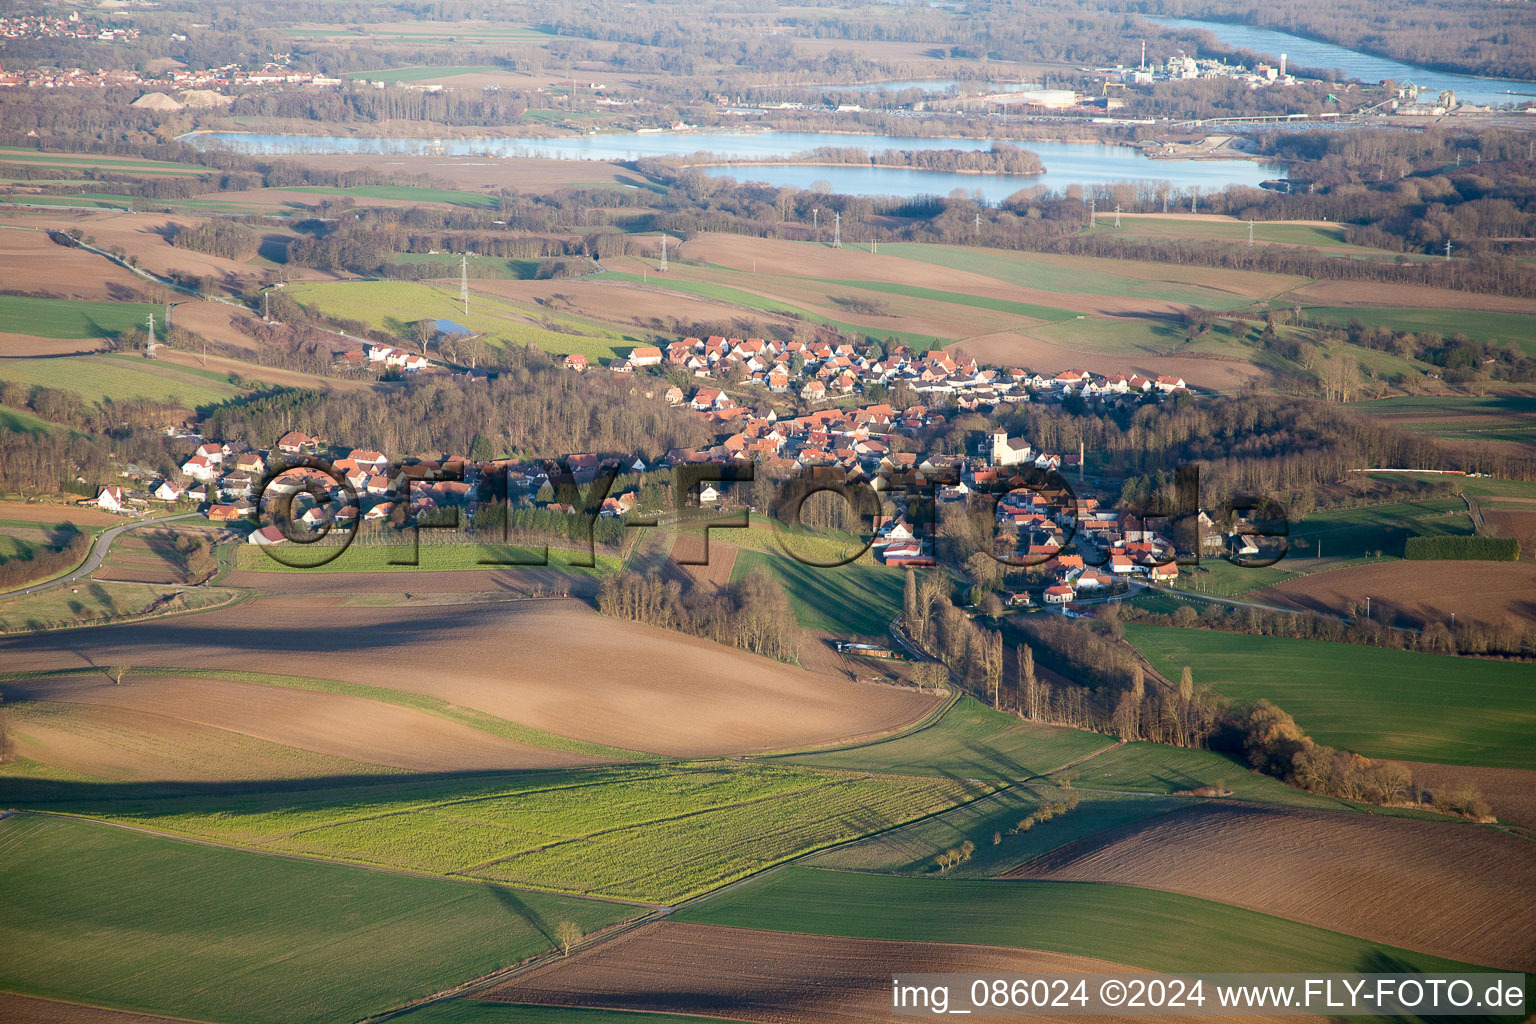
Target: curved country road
[{"x": 98, "y": 553}]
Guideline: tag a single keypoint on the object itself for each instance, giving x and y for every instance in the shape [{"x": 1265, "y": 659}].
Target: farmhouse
[{"x": 267, "y": 536}]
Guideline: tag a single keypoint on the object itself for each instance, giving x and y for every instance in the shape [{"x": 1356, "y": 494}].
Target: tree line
[{"x": 751, "y": 613}]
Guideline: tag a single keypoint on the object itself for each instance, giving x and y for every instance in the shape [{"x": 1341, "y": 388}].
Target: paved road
[{"x": 99, "y": 551}]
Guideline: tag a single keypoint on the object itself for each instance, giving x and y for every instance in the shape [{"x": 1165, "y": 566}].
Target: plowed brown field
[
  {"x": 25, "y": 346},
  {"x": 1417, "y": 592},
  {"x": 1451, "y": 889},
  {"x": 770, "y": 977},
  {"x": 690, "y": 546},
  {"x": 82, "y": 515},
  {"x": 622, "y": 302},
  {"x": 32, "y": 262},
  {"x": 331, "y": 724},
  {"x": 1350, "y": 293},
  {"x": 1517, "y": 523},
  {"x": 1510, "y": 791},
  {"x": 141, "y": 235},
  {"x": 552, "y": 665}
]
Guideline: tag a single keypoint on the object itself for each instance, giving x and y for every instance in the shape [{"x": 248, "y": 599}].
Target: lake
[
  {"x": 1309, "y": 53},
  {"x": 1066, "y": 163}
]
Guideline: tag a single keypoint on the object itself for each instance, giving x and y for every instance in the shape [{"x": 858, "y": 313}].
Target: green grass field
[
  {"x": 912, "y": 850},
  {"x": 18, "y": 421},
  {"x": 1031, "y": 270},
  {"x": 1361, "y": 532},
  {"x": 1133, "y": 226},
  {"x": 852, "y": 599},
  {"x": 69, "y": 318},
  {"x": 93, "y": 601},
  {"x": 1461, "y": 417},
  {"x": 402, "y": 193},
  {"x": 481, "y": 268},
  {"x": 970, "y": 741},
  {"x": 96, "y": 378},
  {"x": 388, "y": 305},
  {"x": 1519, "y": 328},
  {"x": 648, "y": 833},
  {"x": 742, "y": 296},
  {"x": 1381, "y": 703},
  {"x": 1157, "y": 769},
  {"x": 1136, "y": 927},
  {"x": 186, "y": 929},
  {"x": 80, "y": 161},
  {"x": 1027, "y": 309}
]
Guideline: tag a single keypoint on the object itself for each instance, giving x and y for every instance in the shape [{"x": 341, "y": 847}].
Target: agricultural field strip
[
  {"x": 618, "y": 827},
  {"x": 1088, "y": 276},
  {"x": 415, "y": 833},
  {"x": 1173, "y": 932},
  {"x": 671, "y": 864},
  {"x": 1028, "y": 310},
  {"x": 780, "y": 293},
  {"x": 458, "y": 713},
  {"x": 285, "y": 936},
  {"x": 763, "y": 304},
  {"x": 499, "y": 318}
]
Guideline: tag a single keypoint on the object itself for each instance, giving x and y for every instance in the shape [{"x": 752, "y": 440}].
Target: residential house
[
  {"x": 644, "y": 355},
  {"x": 110, "y": 498}
]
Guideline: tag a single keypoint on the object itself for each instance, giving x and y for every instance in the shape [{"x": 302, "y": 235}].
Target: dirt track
[
  {"x": 552, "y": 665},
  {"x": 1450, "y": 889},
  {"x": 770, "y": 977}
]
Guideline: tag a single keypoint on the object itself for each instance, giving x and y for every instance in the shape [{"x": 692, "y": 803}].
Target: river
[
  {"x": 1066, "y": 163},
  {"x": 1309, "y": 53}
]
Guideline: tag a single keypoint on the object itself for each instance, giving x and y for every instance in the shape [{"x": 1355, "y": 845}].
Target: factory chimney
[{"x": 1282, "y": 65}]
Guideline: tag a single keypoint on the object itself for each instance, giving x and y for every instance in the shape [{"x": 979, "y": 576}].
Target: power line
[
  {"x": 663, "y": 266},
  {"x": 837, "y": 231},
  {"x": 464, "y": 281}
]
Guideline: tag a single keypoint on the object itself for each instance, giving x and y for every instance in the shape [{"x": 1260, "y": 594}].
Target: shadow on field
[
  {"x": 507, "y": 898},
  {"x": 154, "y": 798}
]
